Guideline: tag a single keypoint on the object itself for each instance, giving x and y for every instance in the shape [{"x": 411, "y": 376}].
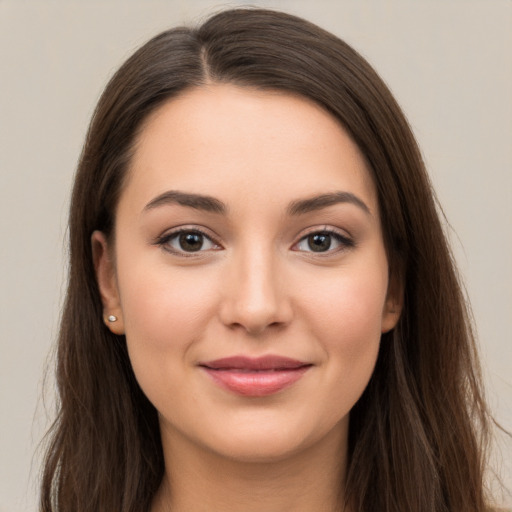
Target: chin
[{"x": 272, "y": 442}]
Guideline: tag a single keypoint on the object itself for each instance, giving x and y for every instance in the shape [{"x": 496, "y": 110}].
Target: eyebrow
[
  {"x": 315, "y": 203},
  {"x": 196, "y": 201},
  {"x": 213, "y": 205}
]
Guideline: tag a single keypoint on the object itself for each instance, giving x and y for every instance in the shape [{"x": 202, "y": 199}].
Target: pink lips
[{"x": 255, "y": 376}]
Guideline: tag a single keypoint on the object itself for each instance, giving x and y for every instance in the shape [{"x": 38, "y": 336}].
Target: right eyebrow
[{"x": 196, "y": 201}]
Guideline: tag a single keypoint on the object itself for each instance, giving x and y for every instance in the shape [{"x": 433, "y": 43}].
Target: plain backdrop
[{"x": 449, "y": 63}]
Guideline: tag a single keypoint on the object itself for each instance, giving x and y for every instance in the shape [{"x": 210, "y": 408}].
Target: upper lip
[{"x": 269, "y": 362}]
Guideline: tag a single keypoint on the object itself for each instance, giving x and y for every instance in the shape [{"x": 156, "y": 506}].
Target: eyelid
[
  {"x": 163, "y": 239},
  {"x": 345, "y": 239}
]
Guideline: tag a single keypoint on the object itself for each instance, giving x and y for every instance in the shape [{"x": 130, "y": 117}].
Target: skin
[{"x": 256, "y": 288}]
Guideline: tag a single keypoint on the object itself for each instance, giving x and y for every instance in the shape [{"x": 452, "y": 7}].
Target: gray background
[{"x": 448, "y": 62}]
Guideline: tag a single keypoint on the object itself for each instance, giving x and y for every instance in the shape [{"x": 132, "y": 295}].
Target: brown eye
[
  {"x": 323, "y": 242},
  {"x": 191, "y": 241},
  {"x": 319, "y": 242},
  {"x": 187, "y": 241}
]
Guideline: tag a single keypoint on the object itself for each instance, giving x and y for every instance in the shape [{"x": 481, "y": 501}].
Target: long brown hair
[{"x": 418, "y": 434}]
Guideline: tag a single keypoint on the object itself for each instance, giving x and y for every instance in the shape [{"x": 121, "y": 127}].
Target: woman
[{"x": 262, "y": 311}]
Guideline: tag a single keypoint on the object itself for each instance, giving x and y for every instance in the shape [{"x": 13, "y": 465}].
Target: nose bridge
[{"x": 255, "y": 295}]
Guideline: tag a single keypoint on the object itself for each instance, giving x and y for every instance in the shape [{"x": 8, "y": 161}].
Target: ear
[
  {"x": 107, "y": 283},
  {"x": 393, "y": 305}
]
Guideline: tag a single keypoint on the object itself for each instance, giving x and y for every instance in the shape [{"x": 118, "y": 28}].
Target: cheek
[
  {"x": 347, "y": 308},
  {"x": 164, "y": 313},
  {"x": 344, "y": 313}
]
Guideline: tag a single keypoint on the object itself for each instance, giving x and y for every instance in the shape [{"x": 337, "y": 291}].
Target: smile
[{"x": 255, "y": 376}]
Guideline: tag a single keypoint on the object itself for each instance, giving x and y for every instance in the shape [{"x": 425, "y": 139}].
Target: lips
[{"x": 255, "y": 376}]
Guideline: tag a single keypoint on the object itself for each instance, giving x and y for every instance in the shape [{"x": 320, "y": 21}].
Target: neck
[{"x": 198, "y": 480}]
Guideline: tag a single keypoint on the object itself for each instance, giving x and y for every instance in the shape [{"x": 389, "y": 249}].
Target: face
[{"x": 248, "y": 273}]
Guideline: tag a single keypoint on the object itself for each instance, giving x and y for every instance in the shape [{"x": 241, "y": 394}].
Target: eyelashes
[
  {"x": 187, "y": 242},
  {"x": 194, "y": 242},
  {"x": 325, "y": 241}
]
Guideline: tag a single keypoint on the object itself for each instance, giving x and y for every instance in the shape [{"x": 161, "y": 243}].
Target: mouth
[{"x": 255, "y": 377}]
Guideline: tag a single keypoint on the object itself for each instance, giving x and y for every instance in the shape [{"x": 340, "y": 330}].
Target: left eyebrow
[{"x": 314, "y": 203}]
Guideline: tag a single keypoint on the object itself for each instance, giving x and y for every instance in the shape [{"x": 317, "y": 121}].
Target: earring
[{"x": 112, "y": 318}]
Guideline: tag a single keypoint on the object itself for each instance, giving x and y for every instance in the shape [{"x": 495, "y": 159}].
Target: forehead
[{"x": 233, "y": 142}]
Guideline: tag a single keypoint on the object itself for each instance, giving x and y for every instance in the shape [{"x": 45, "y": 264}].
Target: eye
[
  {"x": 323, "y": 242},
  {"x": 187, "y": 241}
]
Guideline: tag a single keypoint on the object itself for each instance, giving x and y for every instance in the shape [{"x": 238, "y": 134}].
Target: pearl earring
[{"x": 112, "y": 318}]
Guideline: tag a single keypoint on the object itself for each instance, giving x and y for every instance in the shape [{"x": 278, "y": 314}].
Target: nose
[{"x": 255, "y": 297}]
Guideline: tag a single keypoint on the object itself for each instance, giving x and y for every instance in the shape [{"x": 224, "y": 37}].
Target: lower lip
[{"x": 260, "y": 383}]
